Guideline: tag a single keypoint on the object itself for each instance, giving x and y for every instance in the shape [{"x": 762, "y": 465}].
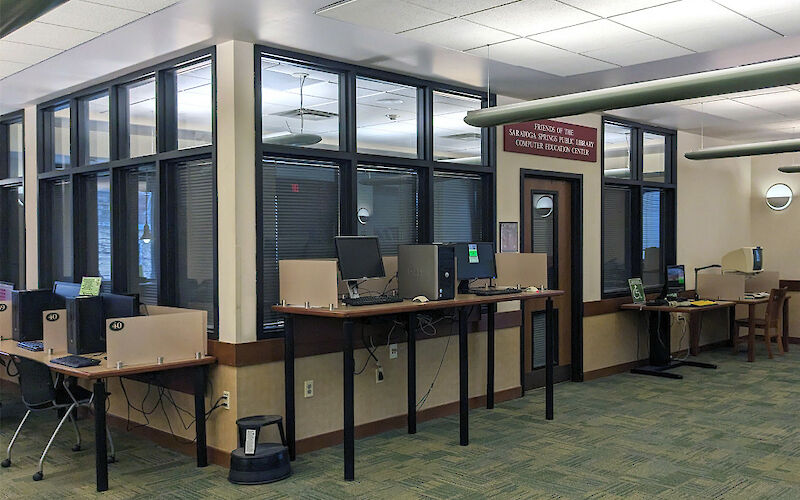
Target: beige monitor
[{"x": 744, "y": 260}]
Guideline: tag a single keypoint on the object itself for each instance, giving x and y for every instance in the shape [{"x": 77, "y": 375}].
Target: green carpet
[{"x": 729, "y": 433}]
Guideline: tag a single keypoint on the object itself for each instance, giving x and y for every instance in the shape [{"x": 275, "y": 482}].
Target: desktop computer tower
[
  {"x": 86, "y": 325},
  {"x": 27, "y": 307},
  {"x": 428, "y": 270}
]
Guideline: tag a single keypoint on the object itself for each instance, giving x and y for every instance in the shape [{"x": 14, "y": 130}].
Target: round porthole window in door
[{"x": 779, "y": 196}]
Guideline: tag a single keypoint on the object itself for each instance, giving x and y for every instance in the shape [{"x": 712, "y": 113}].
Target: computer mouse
[{"x": 421, "y": 299}]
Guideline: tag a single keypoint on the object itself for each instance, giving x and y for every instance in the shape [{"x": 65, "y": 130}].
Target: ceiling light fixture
[
  {"x": 709, "y": 83},
  {"x": 753, "y": 149},
  {"x": 292, "y": 138},
  {"x": 390, "y": 100}
]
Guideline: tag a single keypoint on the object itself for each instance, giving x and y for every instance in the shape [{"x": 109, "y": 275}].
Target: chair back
[
  {"x": 777, "y": 297},
  {"x": 35, "y": 383}
]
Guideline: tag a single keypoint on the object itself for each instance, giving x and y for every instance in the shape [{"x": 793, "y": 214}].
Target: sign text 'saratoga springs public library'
[{"x": 551, "y": 138}]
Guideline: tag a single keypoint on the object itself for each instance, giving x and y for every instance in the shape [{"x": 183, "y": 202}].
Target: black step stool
[{"x": 265, "y": 462}]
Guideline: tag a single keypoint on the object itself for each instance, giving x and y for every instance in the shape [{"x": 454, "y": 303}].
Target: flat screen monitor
[
  {"x": 676, "y": 279},
  {"x": 359, "y": 257},
  {"x": 474, "y": 261},
  {"x": 120, "y": 306},
  {"x": 66, "y": 289}
]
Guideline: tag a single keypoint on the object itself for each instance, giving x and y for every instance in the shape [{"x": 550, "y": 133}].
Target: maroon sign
[{"x": 551, "y": 138}]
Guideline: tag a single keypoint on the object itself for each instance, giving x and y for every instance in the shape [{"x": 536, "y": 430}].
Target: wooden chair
[{"x": 777, "y": 298}]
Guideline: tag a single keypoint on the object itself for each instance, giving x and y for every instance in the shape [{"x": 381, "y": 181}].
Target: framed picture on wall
[{"x": 509, "y": 237}]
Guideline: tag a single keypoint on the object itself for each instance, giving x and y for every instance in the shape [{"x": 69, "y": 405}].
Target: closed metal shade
[
  {"x": 722, "y": 81},
  {"x": 754, "y": 149}
]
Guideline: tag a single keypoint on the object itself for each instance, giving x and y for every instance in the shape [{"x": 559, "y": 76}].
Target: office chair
[{"x": 40, "y": 393}]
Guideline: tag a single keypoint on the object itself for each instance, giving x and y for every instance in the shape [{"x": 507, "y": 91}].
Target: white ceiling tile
[
  {"x": 89, "y": 16},
  {"x": 780, "y": 15},
  {"x": 732, "y": 110},
  {"x": 608, "y": 8},
  {"x": 710, "y": 26},
  {"x": 541, "y": 57},
  {"x": 593, "y": 35},
  {"x": 458, "y": 34},
  {"x": 48, "y": 35},
  {"x": 783, "y": 103},
  {"x": 459, "y": 7},
  {"x": 9, "y": 68},
  {"x": 24, "y": 53},
  {"x": 148, "y": 6},
  {"x": 387, "y": 15},
  {"x": 640, "y": 52},
  {"x": 529, "y": 17}
]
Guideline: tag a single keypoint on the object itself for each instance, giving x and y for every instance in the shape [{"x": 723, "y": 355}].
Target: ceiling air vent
[
  {"x": 308, "y": 114},
  {"x": 466, "y": 136}
]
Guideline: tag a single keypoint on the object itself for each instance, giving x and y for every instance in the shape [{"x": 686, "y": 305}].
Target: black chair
[{"x": 41, "y": 393}]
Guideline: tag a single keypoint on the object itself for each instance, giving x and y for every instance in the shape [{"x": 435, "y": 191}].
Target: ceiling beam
[
  {"x": 17, "y": 13},
  {"x": 709, "y": 83}
]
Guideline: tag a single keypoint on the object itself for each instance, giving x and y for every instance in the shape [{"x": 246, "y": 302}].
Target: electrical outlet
[
  {"x": 308, "y": 390},
  {"x": 226, "y": 400},
  {"x": 392, "y": 351},
  {"x": 378, "y": 375}
]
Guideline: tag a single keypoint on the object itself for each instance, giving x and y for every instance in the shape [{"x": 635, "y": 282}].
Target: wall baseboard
[{"x": 626, "y": 367}]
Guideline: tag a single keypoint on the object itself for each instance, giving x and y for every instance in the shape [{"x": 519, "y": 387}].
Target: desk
[
  {"x": 348, "y": 315},
  {"x": 751, "y": 316},
  {"x": 660, "y": 347},
  {"x": 99, "y": 373}
]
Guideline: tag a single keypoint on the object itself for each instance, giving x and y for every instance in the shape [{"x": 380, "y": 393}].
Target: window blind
[
  {"x": 12, "y": 236},
  {"x": 300, "y": 203},
  {"x": 617, "y": 262},
  {"x": 652, "y": 261},
  {"x": 457, "y": 207},
  {"x": 390, "y": 197}
]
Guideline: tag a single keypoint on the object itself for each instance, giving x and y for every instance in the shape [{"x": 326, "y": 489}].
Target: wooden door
[{"x": 547, "y": 228}]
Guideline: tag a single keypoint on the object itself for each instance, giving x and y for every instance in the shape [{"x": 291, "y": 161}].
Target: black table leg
[
  {"x": 549, "y": 359},
  {"x": 463, "y": 372},
  {"x": 732, "y": 333},
  {"x": 288, "y": 381},
  {"x": 100, "y": 445},
  {"x": 349, "y": 418},
  {"x": 492, "y": 308},
  {"x": 522, "y": 353},
  {"x": 200, "y": 415},
  {"x": 412, "y": 373}
]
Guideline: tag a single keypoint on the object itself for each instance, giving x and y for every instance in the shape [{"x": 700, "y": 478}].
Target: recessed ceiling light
[{"x": 390, "y": 100}]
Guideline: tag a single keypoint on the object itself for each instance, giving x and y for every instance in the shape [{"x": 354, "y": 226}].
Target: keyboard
[
  {"x": 488, "y": 292},
  {"x": 31, "y": 345},
  {"x": 372, "y": 300},
  {"x": 75, "y": 361}
]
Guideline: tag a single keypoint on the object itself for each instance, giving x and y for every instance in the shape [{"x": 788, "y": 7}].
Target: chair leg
[
  {"x": 779, "y": 338},
  {"x": 7, "y": 461},
  {"x": 40, "y": 474},
  {"x": 283, "y": 436},
  {"x": 735, "y": 347},
  {"x": 113, "y": 457},
  {"x": 77, "y": 446}
]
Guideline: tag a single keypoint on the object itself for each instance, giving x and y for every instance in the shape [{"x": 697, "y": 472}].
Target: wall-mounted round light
[
  {"x": 779, "y": 196},
  {"x": 544, "y": 206}
]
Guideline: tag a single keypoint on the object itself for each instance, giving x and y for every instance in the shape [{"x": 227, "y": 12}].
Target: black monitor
[
  {"x": 66, "y": 289},
  {"x": 473, "y": 261},
  {"x": 757, "y": 259},
  {"x": 359, "y": 258},
  {"x": 27, "y": 307},
  {"x": 120, "y": 306},
  {"x": 676, "y": 280}
]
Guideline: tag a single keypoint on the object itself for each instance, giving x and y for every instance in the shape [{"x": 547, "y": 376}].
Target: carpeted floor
[{"x": 729, "y": 433}]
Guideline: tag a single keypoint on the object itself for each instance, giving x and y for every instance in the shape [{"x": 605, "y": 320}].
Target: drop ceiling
[{"x": 524, "y": 48}]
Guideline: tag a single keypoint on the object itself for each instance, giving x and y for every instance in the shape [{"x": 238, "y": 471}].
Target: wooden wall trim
[
  {"x": 609, "y": 306},
  {"x": 326, "y": 339},
  {"x": 792, "y": 285}
]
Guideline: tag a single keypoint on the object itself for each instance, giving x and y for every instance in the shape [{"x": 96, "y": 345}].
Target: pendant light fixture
[
  {"x": 147, "y": 233},
  {"x": 790, "y": 169},
  {"x": 292, "y": 138},
  {"x": 709, "y": 83},
  {"x": 752, "y": 149}
]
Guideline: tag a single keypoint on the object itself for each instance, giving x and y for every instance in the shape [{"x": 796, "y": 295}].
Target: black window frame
[
  {"x": 165, "y": 155},
  {"x": 636, "y": 186},
  {"x": 349, "y": 159},
  {"x": 7, "y": 182}
]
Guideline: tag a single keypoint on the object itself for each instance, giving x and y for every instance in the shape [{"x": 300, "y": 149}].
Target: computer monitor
[
  {"x": 473, "y": 261},
  {"x": 744, "y": 260},
  {"x": 66, "y": 289},
  {"x": 676, "y": 279},
  {"x": 120, "y": 306},
  {"x": 359, "y": 258}
]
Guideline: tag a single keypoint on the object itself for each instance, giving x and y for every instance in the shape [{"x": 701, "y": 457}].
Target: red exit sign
[{"x": 551, "y": 138}]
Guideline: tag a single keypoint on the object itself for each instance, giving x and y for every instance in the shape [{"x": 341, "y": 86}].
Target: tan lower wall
[{"x": 611, "y": 339}]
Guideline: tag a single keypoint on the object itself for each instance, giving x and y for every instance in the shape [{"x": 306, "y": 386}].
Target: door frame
[{"x": 576, "y": 190}]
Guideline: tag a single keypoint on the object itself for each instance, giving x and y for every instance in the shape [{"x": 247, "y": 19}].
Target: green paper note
[{"x": 90, "y": 286}]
